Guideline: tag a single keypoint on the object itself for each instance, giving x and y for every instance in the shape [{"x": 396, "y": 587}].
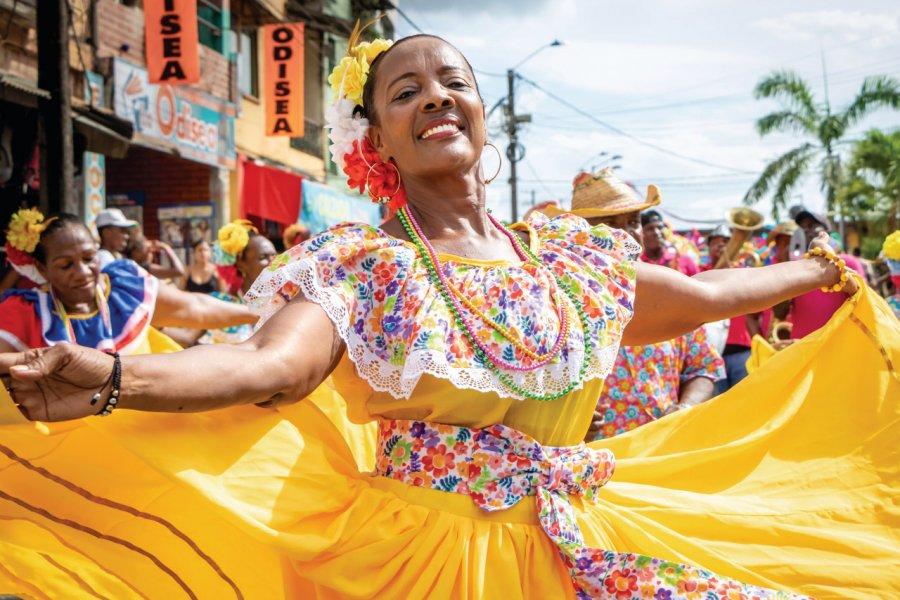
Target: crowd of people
[{"x": 503, "y": 373}]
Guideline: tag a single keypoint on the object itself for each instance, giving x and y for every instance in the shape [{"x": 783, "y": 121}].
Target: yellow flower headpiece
[
  {"x": 25, "y": 229},
  {"x": 353, "y": 70},
  {"x": 235, "y": 236},
  {"x": 892, "y": 246}
]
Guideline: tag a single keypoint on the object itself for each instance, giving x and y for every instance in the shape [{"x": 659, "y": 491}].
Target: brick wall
[
  {"x": 164, "y": 179},
  {"x": 121, "y": 26},
  {"x": 118, "y": 26}
]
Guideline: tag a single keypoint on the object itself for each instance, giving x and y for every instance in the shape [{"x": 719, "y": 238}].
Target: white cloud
[{"x": 830, "y": 24}]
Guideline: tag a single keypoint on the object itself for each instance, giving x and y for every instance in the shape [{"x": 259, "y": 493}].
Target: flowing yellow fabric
[
  {"x": 760, "y": 351},
  {"x": 789, "y": 481}
]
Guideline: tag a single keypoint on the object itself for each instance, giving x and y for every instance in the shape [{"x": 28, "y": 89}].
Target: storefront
[{"x": 177, "y": 169}]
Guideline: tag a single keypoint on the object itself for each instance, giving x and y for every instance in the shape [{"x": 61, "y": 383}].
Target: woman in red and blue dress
[{"x": 113, "y": 309}]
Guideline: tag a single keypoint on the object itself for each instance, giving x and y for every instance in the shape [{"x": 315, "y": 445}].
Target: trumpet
[{"x": 743, "y": 222}]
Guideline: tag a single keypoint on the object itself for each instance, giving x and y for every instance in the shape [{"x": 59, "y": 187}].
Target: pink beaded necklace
[{"x": 434, "y": 267}]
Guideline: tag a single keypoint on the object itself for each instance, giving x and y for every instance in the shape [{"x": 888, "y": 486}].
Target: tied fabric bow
[{"x": 498, "y": 466}]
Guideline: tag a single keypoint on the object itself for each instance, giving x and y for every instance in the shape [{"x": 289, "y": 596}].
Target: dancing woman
[
  {"x": 111, "y": 309},
  {"x": 480, "y": 351}
]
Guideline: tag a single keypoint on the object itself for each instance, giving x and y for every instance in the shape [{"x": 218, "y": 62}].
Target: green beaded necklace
[{"x": 431, "y": 267}]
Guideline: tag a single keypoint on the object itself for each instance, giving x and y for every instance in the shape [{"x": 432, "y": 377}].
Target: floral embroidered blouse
[
  {"x": 406, "y": 358},
  {"x": 646, "y": 380}
]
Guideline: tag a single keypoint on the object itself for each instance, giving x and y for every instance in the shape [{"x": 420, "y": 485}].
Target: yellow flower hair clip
[
  {"x": 235, "y": 236},
  {"x": 891, "y": 246},
  {"x": 353, "y": 70},
  {"x": 25, "y": 229}
]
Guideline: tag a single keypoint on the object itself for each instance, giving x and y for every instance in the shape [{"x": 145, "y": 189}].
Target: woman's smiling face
[{"x": 428, "y": 115}]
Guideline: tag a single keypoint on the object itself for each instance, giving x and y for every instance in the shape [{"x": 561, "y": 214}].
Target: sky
[{"x": 665, "y": 84}]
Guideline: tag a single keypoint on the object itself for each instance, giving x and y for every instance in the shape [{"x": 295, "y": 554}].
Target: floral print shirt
[{"x": 646, "y": 380}]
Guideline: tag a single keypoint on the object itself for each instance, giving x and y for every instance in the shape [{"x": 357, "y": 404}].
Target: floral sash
[{"x": 498, "y": 466}]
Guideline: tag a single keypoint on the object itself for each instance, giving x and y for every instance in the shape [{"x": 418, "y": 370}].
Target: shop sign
[
  {"x": 323, "y": 207},
  {"x": 94, "y": 171},
  {"x": 164, "y": 112},
  {"x": 283, "y": 75},
  {"x": 171, "y": 41}
]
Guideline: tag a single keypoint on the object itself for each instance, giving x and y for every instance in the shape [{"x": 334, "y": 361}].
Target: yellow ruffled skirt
[{"x": 788, "y": 481}]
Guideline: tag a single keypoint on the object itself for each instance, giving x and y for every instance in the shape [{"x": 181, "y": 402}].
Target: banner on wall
[
  {"x": 94, "y": 170},
  {"x": 283, "y": 76},
  {"x": 200, "y": 127},
  {"x": 323, "y": 207},
  {"x": 171, "y": 40}
]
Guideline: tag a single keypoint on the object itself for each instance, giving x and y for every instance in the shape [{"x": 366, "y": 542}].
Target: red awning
[{"x": 268, "y": 193}]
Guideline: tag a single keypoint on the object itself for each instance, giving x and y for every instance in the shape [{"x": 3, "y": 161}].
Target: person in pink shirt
[
  {"x": 740, "y": 330},
  {"x": 651, "y": 381},
  {"x": 813, "y": 309},
  {"x": 658, "y": 250}
]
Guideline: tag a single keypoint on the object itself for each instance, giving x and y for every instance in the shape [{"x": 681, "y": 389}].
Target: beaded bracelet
[
  {"x": 116, "y": 378},
  {"x": 838, "y": 262}
]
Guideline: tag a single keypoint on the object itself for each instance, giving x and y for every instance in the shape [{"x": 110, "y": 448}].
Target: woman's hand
[
  {"x": 58, "y": 383},
  {"x": 594, "y": 428},
  {"x": 833, "y": 273}
]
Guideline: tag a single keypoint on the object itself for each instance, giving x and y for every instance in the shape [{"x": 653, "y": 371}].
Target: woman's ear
[{"x": 377, "y": 140}]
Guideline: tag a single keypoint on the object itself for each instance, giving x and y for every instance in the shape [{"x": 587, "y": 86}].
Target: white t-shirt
[{"x": 106, "y": 257}]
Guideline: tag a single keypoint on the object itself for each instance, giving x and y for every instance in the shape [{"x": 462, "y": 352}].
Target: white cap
[{"x": 113, "y": 217}]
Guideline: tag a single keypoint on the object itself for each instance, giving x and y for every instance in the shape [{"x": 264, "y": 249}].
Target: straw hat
[
  {"x": 784, "y": 228},
  {"x": 603, "y": 194}
]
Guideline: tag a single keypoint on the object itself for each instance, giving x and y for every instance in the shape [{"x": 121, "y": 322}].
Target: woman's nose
[{"x": 436, "y": 97}]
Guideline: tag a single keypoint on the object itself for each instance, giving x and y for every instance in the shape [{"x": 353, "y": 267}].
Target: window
[
  {"x": 248, "y": 64},
  {"x": 209, "y": 19},
  {"x": 313, "y": 140}
]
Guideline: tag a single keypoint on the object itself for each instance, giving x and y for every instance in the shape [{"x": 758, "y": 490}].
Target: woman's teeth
[{"x": 439, "y": 129}]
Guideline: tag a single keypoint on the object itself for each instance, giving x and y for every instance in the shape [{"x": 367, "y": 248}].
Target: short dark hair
[
  {"x": 368, "y": 109},
  {"x": 59, "y": 221},
  {"x": 649, "y": 216}
]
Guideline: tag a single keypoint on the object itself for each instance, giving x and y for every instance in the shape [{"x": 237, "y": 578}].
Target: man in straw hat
[{"x": 646, "y": 382}]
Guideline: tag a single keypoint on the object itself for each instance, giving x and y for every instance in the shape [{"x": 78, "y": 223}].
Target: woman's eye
[
  {"x": 458, "y": 84},
  {"x": 404, "y": 95}
]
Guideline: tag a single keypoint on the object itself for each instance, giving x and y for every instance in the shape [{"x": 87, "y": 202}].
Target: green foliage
[
  {"x": 825, "y": 130},
  {"x": 873, "y": 184}
]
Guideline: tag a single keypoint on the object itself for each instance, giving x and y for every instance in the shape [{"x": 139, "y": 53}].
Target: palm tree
[
  {"x": 873, "y": 182},
  {"x": 818, "y": 122}
]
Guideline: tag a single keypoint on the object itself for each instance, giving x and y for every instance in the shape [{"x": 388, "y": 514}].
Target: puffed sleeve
[{"x": 599, "y": 265}]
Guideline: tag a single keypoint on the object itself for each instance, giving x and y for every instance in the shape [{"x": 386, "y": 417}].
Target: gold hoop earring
[
  {"x": 382, "y": 199},
  {"x": 499, "y": 164}
]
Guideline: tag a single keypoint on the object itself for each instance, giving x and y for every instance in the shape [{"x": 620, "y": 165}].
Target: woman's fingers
[{"x": 39, "y": 363}]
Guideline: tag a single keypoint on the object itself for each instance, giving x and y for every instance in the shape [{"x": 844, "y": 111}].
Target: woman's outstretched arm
[
  {"x": 285, "y": 360},
  {"x": 669, "y": 304},
  {"x": 177, "y": 308}
]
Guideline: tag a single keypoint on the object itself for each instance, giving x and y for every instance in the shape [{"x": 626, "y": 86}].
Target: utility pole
[
  {"x": 55, "y": 113},
  {"x": 512, "y": 149},
  {"x": 515, "y": 152}
]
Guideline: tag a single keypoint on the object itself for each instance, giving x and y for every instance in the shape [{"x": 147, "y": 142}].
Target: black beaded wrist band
[{"x": 116, "y": 379}]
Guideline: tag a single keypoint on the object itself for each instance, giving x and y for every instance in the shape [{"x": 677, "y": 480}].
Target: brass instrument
[
  {"x": 748, "y": 259},
  {"x": 781, "y": 331},
  {"x": 743, "y": 222}
]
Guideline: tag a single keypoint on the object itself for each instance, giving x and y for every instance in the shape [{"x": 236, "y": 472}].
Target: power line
[
  {"x": 405, "y": 18},
  {"x": 630, "y": 136},
  {"x": 537, "y": 177}
]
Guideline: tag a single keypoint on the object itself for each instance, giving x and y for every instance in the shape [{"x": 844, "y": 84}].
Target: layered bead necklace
[
  {"x": 107, "y": 342},
  {"x": 494, "y": 363}
]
